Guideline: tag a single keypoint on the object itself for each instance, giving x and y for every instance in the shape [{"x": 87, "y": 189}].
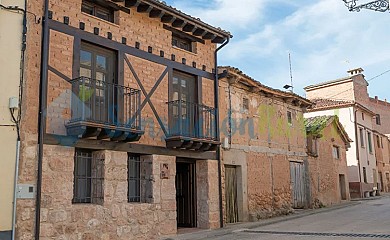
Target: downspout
[
  {"x": 217, "y": 132},
  {"x": 42, "y": 111},
  {"x": 24, "y": 33},
  {"x": 357, "y": 151}
]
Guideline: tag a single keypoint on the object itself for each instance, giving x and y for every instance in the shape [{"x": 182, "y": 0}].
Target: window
[
  {"x": 134, "y": 178},
  {"x": 336, "y": 152},
  {"x": 381, "y": 142},
  {"x": 96, "y": 10},
  {"x": 183, "y": 43},
  {"x": 312, "y": 146},
  {"x": 378, "y": 141},
  {"x": 365, "y": 174},
  {"x": 361, "y": 131},
  {"x": 88, "y": 178},
  {"x": 362, "y": 116},
  {"x": 245, "y": 103},
  {"x": 369, "y": 142},
  {"x": 289, "y": 117},
  {"x": 378, "y": 119},
  {"x": 388, "y": 177}
]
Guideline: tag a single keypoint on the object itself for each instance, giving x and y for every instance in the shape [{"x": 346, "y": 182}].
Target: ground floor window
[
  {"x": 88, "y": 177},
  {"x": 134, "y": 178}
]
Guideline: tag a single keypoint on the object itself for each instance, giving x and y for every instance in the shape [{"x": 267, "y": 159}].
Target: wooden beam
[
  {"x": 188, "y": 27},
  {"x": 156, "y": 13},
  {"x": 90, "y": 37},
  {"x": 210, "y": 36},
  {"x": 166, "y": 18},
  {"x": 52, "y": 139},
  {"x": 218, "y": 40},
  {"x": 132, "y": 3},
  {"x": 178, "y": 23},
  {"x": 118, "y": 0},
  {"x": 144, "y": 8},
  {"x": 199, "y": 32}
]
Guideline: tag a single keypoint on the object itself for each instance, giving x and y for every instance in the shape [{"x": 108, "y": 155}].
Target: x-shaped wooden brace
[{"x": 148, "y": 95}]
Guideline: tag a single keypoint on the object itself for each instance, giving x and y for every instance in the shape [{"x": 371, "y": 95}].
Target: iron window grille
[
  {"x": 134, "y": 178},
  {"x": 88, "y": 178},
  {"x": 96, "y": 10}
]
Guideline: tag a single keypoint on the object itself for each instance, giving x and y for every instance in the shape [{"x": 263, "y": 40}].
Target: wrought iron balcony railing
[
  {"x": 105, "y": 105},
  {"x": 192, "y": 120}
]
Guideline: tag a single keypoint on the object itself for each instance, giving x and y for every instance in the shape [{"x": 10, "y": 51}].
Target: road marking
[{"x": 351, "y": 235}]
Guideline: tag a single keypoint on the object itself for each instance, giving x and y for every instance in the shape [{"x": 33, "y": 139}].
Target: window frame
[
  {"x": 289, "y": 118},
  {"x": 245, "y": 103},
  {"x": 96, "y": 8},
  {"x": 336, "y": 152},
  {"x": 369, "y": 142},
  {"x": 135, "y": 159},
  {"x": 181, "y": 41},
  {"x": 378, "y": 119},
  {"x": 94, "y": 178},
  {"x": 361, "y": 133}
]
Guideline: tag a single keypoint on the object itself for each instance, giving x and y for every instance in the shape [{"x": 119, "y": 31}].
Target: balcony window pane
[{"x": 85, "y": 58}]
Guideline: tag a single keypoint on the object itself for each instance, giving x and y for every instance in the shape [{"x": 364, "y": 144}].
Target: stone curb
[{"x": 209, "y": 234}]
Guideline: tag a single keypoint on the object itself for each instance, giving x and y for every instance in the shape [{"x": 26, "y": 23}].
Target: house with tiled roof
[
  {"x": 119, "y": 129},
  {"x": 327, "y": 146},
  {"x": 348, "y": 99},
  {"x": 263, "y": 155}
]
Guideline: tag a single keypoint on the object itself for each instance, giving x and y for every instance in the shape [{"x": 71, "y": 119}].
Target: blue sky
[{"x": 324, "y": 39}]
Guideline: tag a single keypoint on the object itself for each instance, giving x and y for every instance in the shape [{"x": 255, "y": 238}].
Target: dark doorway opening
[
  {"x": 231, "y": 194},
  {"x": 343, "y": 190},
  {"x": 185, "y": 193}
]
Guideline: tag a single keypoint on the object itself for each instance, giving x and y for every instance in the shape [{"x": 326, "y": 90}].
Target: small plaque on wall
[{"x": 164, "y": 171}]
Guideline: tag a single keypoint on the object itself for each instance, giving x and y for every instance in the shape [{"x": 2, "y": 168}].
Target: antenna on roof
[{"x": 291, "y": 77}]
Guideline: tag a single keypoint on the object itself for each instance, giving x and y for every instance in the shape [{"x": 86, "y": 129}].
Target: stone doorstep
[{"x": 238, "y": 227}]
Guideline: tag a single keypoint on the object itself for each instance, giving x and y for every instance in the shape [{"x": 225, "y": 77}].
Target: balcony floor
[
  {"x": 93, "y": 130},
  {"x": 188, "y": 143}
]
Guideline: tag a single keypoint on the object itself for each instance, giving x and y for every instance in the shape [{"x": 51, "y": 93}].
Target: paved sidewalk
[{"x": 230, "y": 228}]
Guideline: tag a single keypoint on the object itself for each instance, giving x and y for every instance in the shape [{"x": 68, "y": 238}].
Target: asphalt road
[{"x": 368, "y": 220}]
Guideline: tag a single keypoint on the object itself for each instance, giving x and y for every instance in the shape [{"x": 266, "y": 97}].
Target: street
[{"x": 368, "y": 220}]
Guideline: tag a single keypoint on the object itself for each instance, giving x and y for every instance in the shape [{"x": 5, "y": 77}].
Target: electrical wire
[
  {"x": 17, "y": 9},
  {"x": 378, "y": 75}
]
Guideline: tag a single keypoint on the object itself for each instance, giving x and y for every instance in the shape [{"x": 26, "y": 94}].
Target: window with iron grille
[
  {"x": 97, "y": 10},
  {"x": 88, "y": 178},
  {"x": 134, "y": 178}
]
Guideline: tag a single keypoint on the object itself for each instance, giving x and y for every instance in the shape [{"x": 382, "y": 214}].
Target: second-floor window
[
  {"x": 369, "y": 142},
  {"x": 97, "y": 10},
  {"x": 336, "y": 152},
  {"x": 245, "y": 103},
  {"x": 289, "y": 118},
  {"x": 361, "y": 132}
]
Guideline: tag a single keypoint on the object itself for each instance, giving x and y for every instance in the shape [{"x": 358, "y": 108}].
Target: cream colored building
[{"x": 11, "y": 28}]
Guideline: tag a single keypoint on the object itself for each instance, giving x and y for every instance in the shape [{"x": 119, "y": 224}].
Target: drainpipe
[
  {"x": 218, "y": 152},
  {"x": 42, "y": 112},
  {"x": 15, "y": 188}
]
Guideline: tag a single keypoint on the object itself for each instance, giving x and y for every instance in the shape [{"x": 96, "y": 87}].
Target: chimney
[
  {"x": 355, "y": 71},
  {"x": 376, "y": 98}
]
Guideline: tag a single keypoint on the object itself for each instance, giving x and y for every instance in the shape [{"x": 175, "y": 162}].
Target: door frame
[{"x": 192, "y": 208}]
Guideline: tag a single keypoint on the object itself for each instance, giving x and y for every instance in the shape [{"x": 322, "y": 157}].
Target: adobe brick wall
[
  {"x": 262, "y": 146},
  {"x": 325, "y": 169},
  {"x": 383, "y": 109},
  {"x": 343, "y": 91}
]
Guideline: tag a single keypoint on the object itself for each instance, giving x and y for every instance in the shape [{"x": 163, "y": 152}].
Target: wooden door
[
  {"x": 342, "y": 184},
  {"x": 297, "y": 174},
  {"x": 97, "y": 65},
  {"x": 182, "y": 112},
  {"x": 185, "y": 194},
  {"x": 231, "y": 194}
]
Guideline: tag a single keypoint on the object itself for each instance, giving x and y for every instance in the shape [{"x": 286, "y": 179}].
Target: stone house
[
  {"x": 263, "y": 148},
  {"x": 327, "y": 143},
  {"x": 119, "y": 130},
  {"x": 348, "y": 99}
]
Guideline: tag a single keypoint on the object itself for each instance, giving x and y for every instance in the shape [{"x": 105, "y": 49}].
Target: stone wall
[{"x": 115, "y": 218}]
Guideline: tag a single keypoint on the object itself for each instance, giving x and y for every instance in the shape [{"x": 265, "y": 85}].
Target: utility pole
[{"x": 378, "y": 5}]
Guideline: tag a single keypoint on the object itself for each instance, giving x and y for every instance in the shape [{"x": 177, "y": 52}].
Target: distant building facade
[{"x": 348, "y": 99}]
